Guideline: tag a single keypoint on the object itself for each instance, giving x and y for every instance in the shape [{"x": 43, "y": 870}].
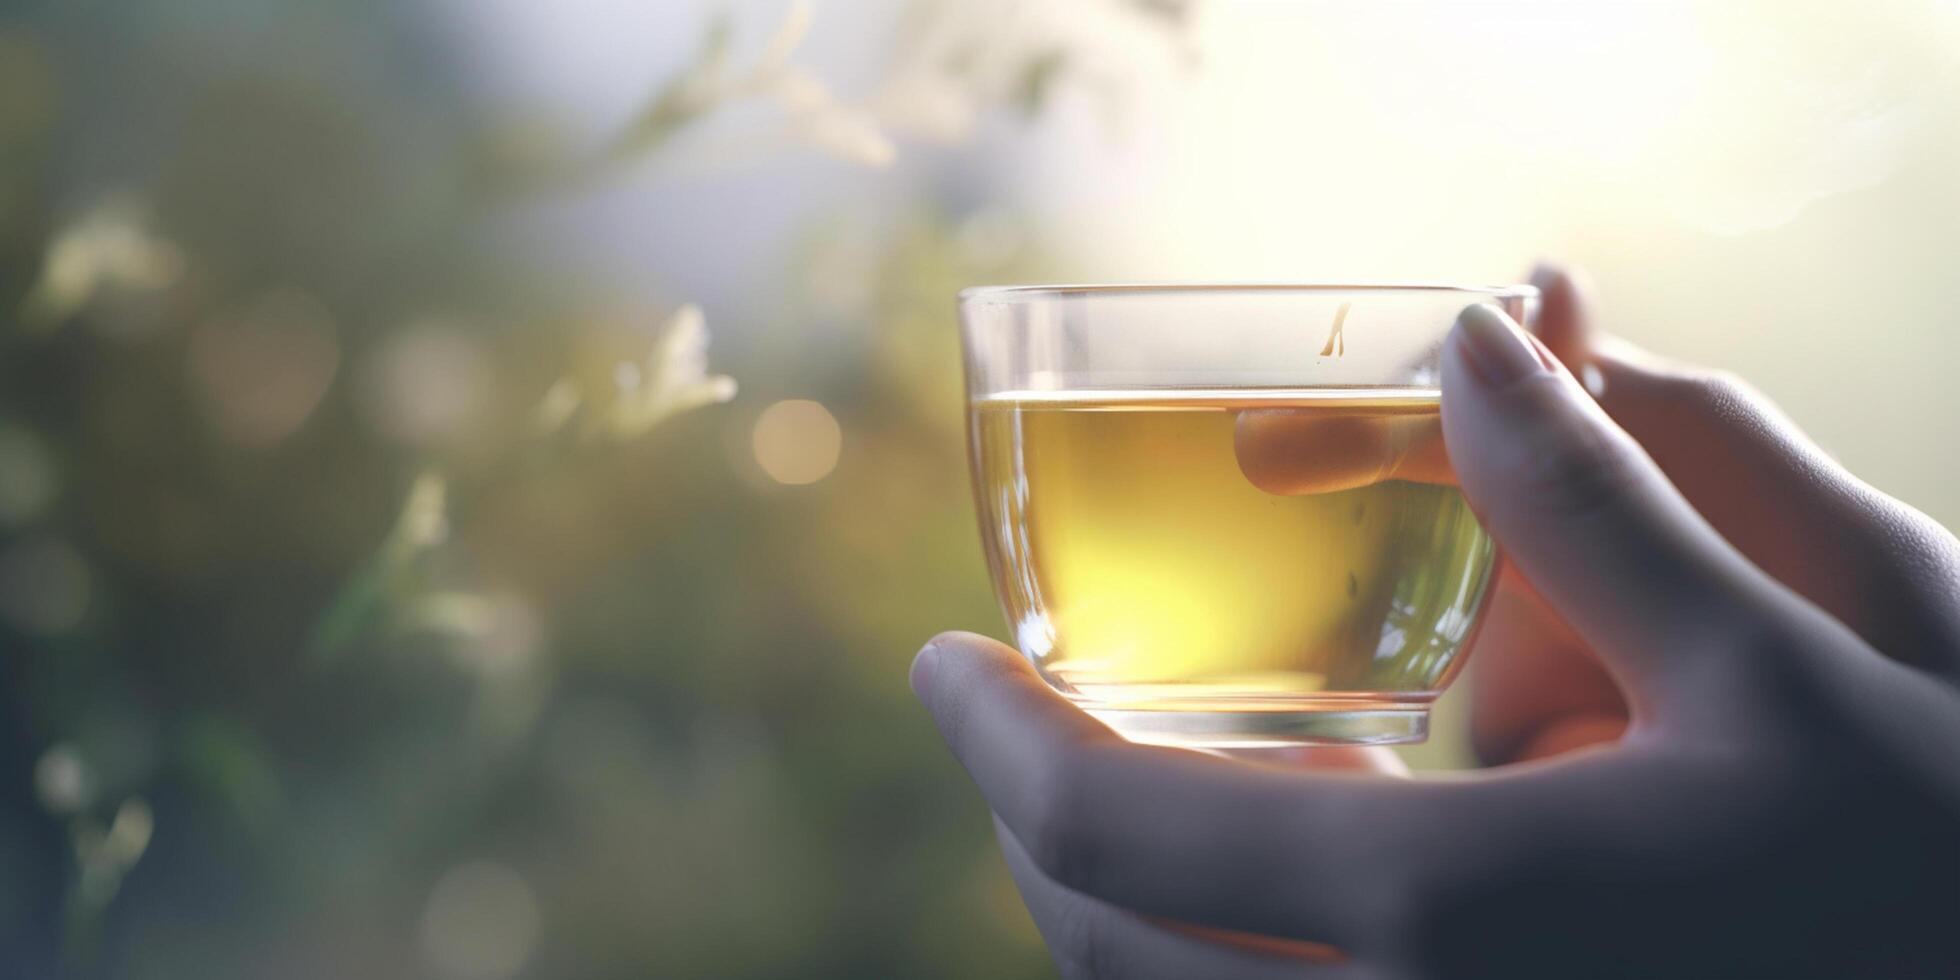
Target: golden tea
[{"x": 1154, "y": 583}]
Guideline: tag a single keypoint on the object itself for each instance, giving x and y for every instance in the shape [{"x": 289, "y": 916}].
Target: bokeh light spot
[
  {"x": 481, "y": 923},
  {"x": 261, "y": 370},
  {"x": 797, "y": 441},
  {"x": 427, "y": 383},
  {"x": 62, "y": 779}
]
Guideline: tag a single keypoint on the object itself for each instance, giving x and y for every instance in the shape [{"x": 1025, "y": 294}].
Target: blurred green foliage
[{"x": 372, "y": 603}]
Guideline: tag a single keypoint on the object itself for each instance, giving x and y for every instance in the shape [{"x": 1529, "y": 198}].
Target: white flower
[
  {"x": 673, "y": 380},
  {"x": 424, "y": 520},
  {"x": 109, "y": 247},
  {"x": 849, "y": 133}
]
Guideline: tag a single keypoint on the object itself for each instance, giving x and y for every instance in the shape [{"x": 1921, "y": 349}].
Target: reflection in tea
[{"x": 1143, "y": 569}]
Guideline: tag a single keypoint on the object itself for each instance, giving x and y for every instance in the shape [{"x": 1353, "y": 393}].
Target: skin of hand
[
  {"x": 1537, "y": 690},
  {"x": 1778, "y": 641}
]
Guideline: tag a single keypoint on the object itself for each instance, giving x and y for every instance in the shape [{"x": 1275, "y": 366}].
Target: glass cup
[{"x": 1223, "y": 516}]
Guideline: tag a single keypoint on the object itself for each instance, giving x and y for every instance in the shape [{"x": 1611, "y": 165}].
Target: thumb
[{"x": 1588, "y": 517}]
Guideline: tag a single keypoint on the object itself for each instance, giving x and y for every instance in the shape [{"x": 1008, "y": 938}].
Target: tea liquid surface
[{"x": 1140, "y": 568}]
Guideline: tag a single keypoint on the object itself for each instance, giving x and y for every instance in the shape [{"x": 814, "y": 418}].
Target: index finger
[{"x": 1300, "y": 451}]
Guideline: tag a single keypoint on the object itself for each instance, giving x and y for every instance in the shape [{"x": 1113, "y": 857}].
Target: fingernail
[
  {"x": 1496, "y": 347},
  {"x": 921, "y": 675}
]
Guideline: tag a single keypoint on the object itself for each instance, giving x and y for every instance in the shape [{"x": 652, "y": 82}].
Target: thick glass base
[{"x": 1267, "y": 729}]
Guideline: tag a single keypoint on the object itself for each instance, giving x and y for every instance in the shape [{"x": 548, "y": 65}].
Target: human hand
[
  {"x": 1784, "y": 801},
  {"x": 1537, "y": 690}
]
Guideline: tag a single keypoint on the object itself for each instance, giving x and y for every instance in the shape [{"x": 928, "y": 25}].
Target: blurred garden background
[{"x": 473, "y": 473}]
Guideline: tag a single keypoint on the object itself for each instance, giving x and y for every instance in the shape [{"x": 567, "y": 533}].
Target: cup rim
[{"x": 1028, "y": 292}]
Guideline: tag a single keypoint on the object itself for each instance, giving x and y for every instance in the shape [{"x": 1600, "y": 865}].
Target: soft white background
[{"x": 1766, "y": 187}]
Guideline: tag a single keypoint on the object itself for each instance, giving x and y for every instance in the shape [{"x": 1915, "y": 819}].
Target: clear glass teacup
[{"x": 1223, "y": 516}]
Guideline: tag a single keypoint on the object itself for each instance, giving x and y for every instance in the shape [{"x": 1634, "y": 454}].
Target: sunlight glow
[{"x": 1450, "y": 141}]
